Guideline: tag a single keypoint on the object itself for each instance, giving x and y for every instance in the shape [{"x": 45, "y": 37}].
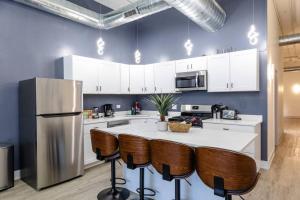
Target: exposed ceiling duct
[
  {"x": 289, "y": 39},
  {"x": 206, "y": 13},
  {"x": 85, "y": 16}
]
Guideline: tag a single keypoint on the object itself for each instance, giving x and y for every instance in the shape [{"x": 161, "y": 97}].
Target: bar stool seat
[
  {"x": 173, "y": 161},
  {"x": 226, "y": 172},
  {"x": 106, "y": 147},
  {"x": 135, "y": 152}
]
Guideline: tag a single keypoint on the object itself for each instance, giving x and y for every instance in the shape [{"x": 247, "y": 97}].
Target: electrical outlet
[
  {"x": 118, "y": 106},
  {"x": 174, "y": 106}
]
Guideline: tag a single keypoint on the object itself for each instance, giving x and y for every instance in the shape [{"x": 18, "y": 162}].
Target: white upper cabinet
[
  {"x": 244, "y": 70},
  {"x": 149, "y": 79},
  {"x": 164, "y": 74},
  {"x": 125, "y": 78},
  {"x": 234, "y": 72},
  {"x": 109, "y": 78},
  {"x": 137, "y": 79},
  {"x": 218, "y": 73},
  {"x": 83, "y": 69},
  {"x": 191, "y": 64}
]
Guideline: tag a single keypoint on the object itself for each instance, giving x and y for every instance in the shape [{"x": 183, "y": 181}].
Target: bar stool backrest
[
  {"x": 135, "y": 148},
  {"x": 179, "y": 158},
  {"x": 237, "y": 170},
  {"x": 105, "y": 142}
]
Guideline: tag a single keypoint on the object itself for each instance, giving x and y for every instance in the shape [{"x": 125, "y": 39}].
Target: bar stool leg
[
  {"x": 177, "y": 189},
  {"x": 142, "y": 183},
  {"x": 113, "y": 176},
  {"x": 228, "y": 197}
]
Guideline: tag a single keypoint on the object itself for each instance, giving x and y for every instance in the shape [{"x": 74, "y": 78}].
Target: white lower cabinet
[
  {"x": 254, "y": 149},
  {"x": 89, "y": 155}
]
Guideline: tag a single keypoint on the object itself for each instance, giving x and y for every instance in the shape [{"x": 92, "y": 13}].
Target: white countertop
[
  {"x": 234, "y": 141},
  {"x": 246, "y": 120},
  {"x": 116, "y": 118}
]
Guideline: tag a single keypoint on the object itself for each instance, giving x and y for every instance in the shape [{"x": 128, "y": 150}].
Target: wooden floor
[{"x": 281, "y": 182}]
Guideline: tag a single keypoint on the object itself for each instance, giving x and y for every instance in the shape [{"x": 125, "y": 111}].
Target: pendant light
[
  {"x": 137, "y": 53},
  {"x": 188, "y": 45},
  {"x": 252, "y": 33},
  {"x": 100, "y": 41}
]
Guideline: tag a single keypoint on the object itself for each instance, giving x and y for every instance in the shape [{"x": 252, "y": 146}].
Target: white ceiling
[
  {"x": 288, "y": 12},
  {"x": 115, "y": 4}
]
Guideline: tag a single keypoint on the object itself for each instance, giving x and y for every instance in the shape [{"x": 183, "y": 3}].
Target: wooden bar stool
[
  {"x": 173, "y": 161},
  {"x": 106, "y": 147},
  {"x": 227, "y": 172},
  {"x": 135, "y": 152}
]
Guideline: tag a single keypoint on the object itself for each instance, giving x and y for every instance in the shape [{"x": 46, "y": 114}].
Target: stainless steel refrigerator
[{"x": 51, "y": 135}]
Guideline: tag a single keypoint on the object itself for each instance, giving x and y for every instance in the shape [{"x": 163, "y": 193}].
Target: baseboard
[
  {"x": 17, "y": 174},
  {"x": 267, "y": 164}
]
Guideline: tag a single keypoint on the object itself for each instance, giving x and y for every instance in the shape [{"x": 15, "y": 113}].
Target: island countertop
[{"x": 235, "y": 141}]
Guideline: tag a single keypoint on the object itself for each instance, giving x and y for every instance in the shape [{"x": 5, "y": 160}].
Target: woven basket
[{"x": 179, "y": 128}]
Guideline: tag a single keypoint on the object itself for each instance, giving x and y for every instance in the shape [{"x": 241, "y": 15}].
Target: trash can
[{"x": 6, "y": 166}]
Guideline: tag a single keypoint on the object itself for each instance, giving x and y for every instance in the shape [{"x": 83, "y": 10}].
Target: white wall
[
  {"x": 274, "y": 80},
  {"x": 292, "y": 94}
]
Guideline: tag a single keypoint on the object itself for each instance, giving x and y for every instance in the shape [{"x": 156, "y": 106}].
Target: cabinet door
[
  {"x": 125, "y": 79},
  {"x": 137, "y": 79},
  {"x": 149, "y": 79},
  {"x": 197, "y": 64},
  {"x": 89, "y": 155},
  {"x": 218, "y": 73},
  {"x": 182, "y": 65},
  {"x": 244, "y": 70},
  {"x": 109, "y": 78},
  {"x": 87, "y": 71},
  {"x": 164, "y": 74}
]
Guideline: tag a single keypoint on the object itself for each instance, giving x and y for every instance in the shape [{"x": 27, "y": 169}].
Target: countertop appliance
[
  {"x": 193, "y": 114},
  {"x": 188, "y": 81},
  {"x": 51, "y": 132},
  {"x": 95, "y": 114},
  {"x": 6, "y": 166},
  {"x": 108, "y": 110},
  {"x": 217, "y": 109},
  {"x": 230, "y": 115}
]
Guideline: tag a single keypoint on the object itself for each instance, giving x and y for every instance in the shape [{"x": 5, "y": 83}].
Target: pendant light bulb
[
  {"x": 253, "y": 35},
  {"x": 188, "y": 45},
  {"x": 101, "y": 46},
  {"x": 137, "y": 56}
]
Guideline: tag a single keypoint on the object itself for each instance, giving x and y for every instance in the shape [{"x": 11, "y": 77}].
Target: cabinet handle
[
  {"x": 100, "y": 88},
  {"x": 97, "y": 88},
  {"x": 187, "y": 66},
  {"x": 128, "y": 89},
  {"x": 145, "y": 89},
  {"x": 191, "y": 66},
  {"x": 155, "y": 88},
  {"x": 226, "y": 129},
  {"x": 231, "y": 85},
  {"x": 227, "y": 85},
  {"x": 142, "y": 89}
]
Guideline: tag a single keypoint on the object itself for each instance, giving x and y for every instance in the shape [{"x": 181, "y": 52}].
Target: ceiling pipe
[
  {"x": 206, "y": 13},
  {"x": 289, "y": 39}
]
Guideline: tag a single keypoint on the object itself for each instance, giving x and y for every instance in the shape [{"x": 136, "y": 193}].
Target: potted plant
[{"x": 163, "y": 103}]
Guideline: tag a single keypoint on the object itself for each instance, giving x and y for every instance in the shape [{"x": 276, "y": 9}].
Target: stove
[{"x": 193, "y": 114}]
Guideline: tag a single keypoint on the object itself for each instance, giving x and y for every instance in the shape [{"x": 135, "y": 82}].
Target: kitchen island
[{"x": 235, "y": 141}]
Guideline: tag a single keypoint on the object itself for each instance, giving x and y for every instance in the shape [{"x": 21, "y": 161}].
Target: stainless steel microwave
[{"x": 188, "y": 81}]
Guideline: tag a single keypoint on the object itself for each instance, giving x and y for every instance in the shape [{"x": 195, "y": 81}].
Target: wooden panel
[
  {"x": 179, "y": 157},
  {"x": 237, "y": 170},
  {"x": 107, "y": 143},
  {"x": 136, "y": 146}
]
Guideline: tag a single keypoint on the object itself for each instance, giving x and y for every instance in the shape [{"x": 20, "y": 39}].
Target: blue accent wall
[
  {"x": 31, "y": 41},
  {"x": 162, "y": 37}
]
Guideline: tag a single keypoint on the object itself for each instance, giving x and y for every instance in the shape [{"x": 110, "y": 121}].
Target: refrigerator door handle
[{"x": 60, "y": 115}]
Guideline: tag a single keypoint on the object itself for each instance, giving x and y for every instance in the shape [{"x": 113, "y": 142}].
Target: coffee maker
[{"x": 108, "y": 110}]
